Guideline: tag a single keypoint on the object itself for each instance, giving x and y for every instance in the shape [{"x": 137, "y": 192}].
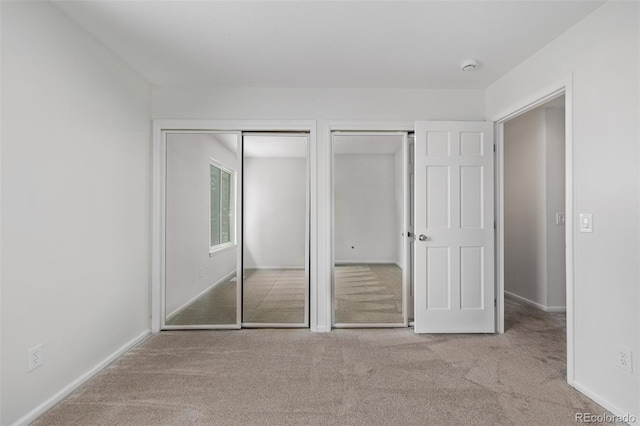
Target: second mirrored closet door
[
  {"x": 275, "y": 290},
  {"x": 371, "y": 236}
]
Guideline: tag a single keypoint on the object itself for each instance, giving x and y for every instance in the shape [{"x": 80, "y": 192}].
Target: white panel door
[{"x": 454, "y": 228}]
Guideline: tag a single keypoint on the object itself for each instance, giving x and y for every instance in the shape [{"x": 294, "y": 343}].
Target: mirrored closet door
[
  {"x": 276, "y": 230},
  {"x": 371, "y": 244},
  {"x": 202, "y": 230}
]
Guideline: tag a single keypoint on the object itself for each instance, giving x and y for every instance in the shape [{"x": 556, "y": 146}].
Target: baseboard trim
[
  {"x": 188, "y": 302},
  {"x": 355, "y": 262},
  {"x": 536, "y": 304},
  {"x": 606, "y": 404},
  {"x": 64, "y": 392}
]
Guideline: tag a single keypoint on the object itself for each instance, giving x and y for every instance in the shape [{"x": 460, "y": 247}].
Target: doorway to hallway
[
  {"x": 555, "y": 271},
  {"x": 534, "y": 207}
]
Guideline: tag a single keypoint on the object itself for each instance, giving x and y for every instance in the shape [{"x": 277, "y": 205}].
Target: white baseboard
[
  {"x": 188, "y": 302},
  {"x": 64, "y": 392},
  {"x": 355, "y": 262},
  {"x": 606, "y": 404},
  {"x": 536, "y": 304}
]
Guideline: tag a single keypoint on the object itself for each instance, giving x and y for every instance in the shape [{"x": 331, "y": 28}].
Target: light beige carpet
[
  {"x": 346, "y": 377},
  {"x": 368, "y": 294}
]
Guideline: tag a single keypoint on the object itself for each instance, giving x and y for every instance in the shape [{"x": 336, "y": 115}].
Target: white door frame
[
  {"x": 554, "y": 90},
  {"x": 325, "y": 264},
  {"x": 158, "y": 188}
]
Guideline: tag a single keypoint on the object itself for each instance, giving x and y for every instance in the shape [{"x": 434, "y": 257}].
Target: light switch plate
[
  {"x": 560, "y": 219},
  {"x": 586, "y": 222}
]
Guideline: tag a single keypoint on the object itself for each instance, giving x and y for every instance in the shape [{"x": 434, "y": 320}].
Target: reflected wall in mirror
[
  {"x": 275, "y": 209},
  {"x": 368, "y": 226},
  {"x": 201, "y": 249}
]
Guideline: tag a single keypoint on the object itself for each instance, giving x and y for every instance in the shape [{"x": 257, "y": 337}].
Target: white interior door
[{"x": 454, "y": 227}]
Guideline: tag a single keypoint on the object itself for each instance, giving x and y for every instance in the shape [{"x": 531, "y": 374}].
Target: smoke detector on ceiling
[{"x": 469, "y": 65}]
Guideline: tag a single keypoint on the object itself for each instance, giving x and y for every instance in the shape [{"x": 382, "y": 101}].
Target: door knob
[{"x": 423, "y": 237}]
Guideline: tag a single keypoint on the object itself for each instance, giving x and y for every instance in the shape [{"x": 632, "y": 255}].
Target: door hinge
[
  {"x": 494, "y": 225},
  {"x": 495, "y": 302},
  {"x": 494, "y": 147}
]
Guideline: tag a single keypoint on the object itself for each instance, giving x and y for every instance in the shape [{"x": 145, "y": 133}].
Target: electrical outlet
[
  {"x": 34, "y": 357},
  {"x": 624, "y": 360},
  {"x": 560, "y": 219}
]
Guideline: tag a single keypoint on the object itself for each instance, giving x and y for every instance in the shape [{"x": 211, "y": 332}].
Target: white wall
[
  {"x": 524, "y": 207},
  {"x": 316, "y": 104},
  {"x": 365, "y": 208},
  {"x": 602, "y": 52},
  {"x": 190, "y": 269},
  {"x": 554, "y": 124},
  {"x": 275, "y": 212},
  {"x": 534, "y": 193},
  {"x": 75, "y": 203}
]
